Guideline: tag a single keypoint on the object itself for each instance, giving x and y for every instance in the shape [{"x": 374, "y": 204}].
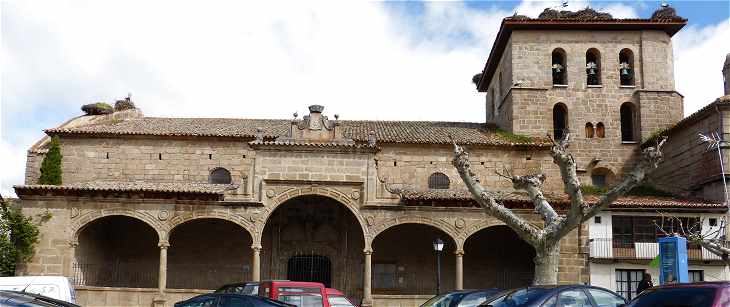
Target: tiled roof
[
  {"x": 406, "y": 132},
  {"x": 109, "y": 186},
  {"x": 315, "y": 145},
  {"x": 561, "y": 199}
]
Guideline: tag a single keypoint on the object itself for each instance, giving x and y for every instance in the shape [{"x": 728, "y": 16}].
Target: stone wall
[
  {"x": 153, "y": 159},
  {"x": 695, "y": 171}
]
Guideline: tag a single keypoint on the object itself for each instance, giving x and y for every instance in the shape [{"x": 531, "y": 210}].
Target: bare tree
[
  {"x": 546, "y": 240},
  {"x": 713, "y": 240}
]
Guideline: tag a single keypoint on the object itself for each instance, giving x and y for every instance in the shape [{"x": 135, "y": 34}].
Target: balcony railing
[{"x": 610, "y": 248}]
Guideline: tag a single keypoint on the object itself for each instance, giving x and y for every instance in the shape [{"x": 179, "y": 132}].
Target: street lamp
[{"x": 438, "y": 246}]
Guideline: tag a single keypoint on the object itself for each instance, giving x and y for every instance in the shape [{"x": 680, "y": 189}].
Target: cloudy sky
[{"x": 268, "y": 59}]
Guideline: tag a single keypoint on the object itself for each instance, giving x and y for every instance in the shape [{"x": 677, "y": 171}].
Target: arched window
[
  {"x": 593, "y": 67},
  {"x": 628, "y": 122},
  {"x": 600, "y": 130},
  {"x": 220, "y": 176},
  {"x": 560, "y": 121},
  {"x": 589, "y": 130},
  {"x": 559, "y": 67},
  {"x": 438, "y": 181},
  {"x": 626, "y": 67}
]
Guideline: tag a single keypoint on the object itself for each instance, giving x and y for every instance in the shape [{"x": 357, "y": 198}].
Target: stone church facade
[{"x": 155, "y": 210}]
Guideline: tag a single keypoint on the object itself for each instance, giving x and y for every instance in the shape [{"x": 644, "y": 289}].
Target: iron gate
[{"x": 310, "y": 268}]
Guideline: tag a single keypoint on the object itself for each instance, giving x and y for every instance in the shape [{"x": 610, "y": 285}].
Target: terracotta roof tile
[
  {"x": 406, "y": 132},
  {"x": 560, "y": 199},
  {"x": 195, "y": 188}
]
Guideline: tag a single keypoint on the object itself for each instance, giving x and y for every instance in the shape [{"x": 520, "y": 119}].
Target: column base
[{"x": 159, "y": 300}]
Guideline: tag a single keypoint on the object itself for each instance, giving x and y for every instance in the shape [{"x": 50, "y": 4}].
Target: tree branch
[
  {"x": 566, "y": 163},
  {"x": 486, "y": 200}
]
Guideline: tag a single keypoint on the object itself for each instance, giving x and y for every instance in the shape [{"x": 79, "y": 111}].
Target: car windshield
[
  {"x": 302, "y": 300},
  {"x": 519, "y": 297},
  {"x": 675, "y": 297},
  {"x": 443, "y": 300},
  {"x": 339, "y": 301}
]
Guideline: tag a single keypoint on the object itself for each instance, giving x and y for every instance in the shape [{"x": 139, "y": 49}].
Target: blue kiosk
[{"x": 673, "y": 260}]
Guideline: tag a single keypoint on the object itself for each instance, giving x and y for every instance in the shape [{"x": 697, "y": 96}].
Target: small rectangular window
[
  {"x": 210, "y": 156},
  {"x": 159, "y": 156},
  {"x": 597, "y": 219},
  {"x": 713, "y": 222},
  {"x": 696, "y": 275}
]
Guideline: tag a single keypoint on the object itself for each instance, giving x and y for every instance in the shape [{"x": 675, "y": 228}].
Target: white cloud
[
  {"x": 12, "y": 166},
  {"x": 699, "y": 54}
]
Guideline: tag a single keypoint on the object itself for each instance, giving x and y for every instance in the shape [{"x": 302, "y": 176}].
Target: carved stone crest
[
  {"x": 370, "y": 220},
  {"x": 355, "y": 195},
  {"x": 270, "y": 193},
  {"x": 460, "y": 223},
  {"x": 163, "y": 215}
]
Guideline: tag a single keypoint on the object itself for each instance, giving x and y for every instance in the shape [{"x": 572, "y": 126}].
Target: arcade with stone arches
[{"x": 307, "y": 237}]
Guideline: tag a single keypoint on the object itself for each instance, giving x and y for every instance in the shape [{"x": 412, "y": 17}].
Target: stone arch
[
  {"x": 441, "y": 225},
  {"x": 86, "y": 219},
  {"x": 292, "y": 193},
  {"x": 239, "y": 220},
  {"x": 477, "y": 227},
  {"x": 508, "y": 267}
]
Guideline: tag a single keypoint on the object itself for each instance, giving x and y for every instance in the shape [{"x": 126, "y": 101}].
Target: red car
[{"x": 701, "y": 294}]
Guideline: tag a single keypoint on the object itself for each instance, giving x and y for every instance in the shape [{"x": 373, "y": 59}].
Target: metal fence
[
  {"x": 610, "y": 248},
  {"x": 116, "y": 274}
]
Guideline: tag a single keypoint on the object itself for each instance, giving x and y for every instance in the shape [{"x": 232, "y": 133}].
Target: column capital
[
  {"x": 367, "y": 251},
  {"x": 256, "y": 248},
  {"x": 73, "y": 244},
  {"x": 163, "y": 244},
  {"x": 459, "y": 252}
]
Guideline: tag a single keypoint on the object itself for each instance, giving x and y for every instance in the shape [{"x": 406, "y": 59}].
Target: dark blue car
[
  {"x": 230, "y": 300},
  {"x": 558, "y": 296}
]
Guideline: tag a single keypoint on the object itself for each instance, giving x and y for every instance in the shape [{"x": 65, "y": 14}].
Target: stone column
[
  {"x": 459, "y": 269},
  {"x": 69, "y": 269},
  {"x": 159, "y": 299},
  {"x": 256, "y": 263},
  {"x": 367, "y": 296}
]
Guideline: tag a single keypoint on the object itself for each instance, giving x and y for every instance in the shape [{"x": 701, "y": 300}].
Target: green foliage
[
  {"x": 515, "y": 138},
  {"x": 592, "y": 190},
  {"x": 18, "y": 236},
  {"x": 51, "y": 166}
]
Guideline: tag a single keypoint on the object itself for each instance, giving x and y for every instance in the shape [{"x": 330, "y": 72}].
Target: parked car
[
  {"x": 701, "y": 294},
  {"x": 24, "y": 299},
  {"x": 245, "y": 288},
  {"x": 298, "y": 293},
  {"x": 56, "y": 287},
  {"x": 557, "y": 296},
  {"x": 465, "y": 298},
  {"x": 338, "y": 299},
  {"x": 230, "y": 300}
]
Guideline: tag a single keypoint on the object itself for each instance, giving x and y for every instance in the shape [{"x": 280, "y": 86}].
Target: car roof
[
  {"x": 297, "y": 283},
  {"x": 703, "y": 284},
  {"x": 334, "y": 291}
]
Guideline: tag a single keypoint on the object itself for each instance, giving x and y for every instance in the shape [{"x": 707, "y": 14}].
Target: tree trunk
[{"x": 547, "y": 258}]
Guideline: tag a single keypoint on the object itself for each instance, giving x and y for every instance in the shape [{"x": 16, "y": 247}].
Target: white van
[{"x": 57, "y": 287}]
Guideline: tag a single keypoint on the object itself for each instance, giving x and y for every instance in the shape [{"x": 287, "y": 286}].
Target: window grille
[
  {"x": 220, "y": 176},
  {"x": 438, "y": 181}
]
